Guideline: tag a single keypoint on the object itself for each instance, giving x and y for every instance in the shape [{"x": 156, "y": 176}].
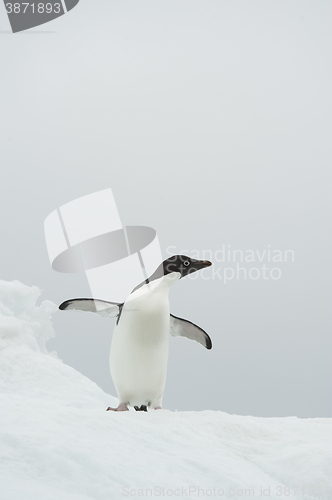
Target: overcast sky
[{"x": 211, "y": 122}]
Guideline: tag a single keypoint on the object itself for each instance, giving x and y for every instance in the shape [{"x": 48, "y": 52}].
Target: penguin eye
[{"x": 186, "y": 263}]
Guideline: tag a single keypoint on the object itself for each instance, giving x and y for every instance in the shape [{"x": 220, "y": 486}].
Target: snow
[{"x": 58, "y": 442}]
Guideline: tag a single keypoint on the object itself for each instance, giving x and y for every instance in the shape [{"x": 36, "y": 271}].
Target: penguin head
[
  {"x": 184, "y": 265},
  {"x": 176, "y": 264}
]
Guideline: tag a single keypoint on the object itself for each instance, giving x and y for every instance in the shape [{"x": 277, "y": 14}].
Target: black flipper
[
  {"x": 183, "y": 328},
  {"x": 97, "y": 306}
]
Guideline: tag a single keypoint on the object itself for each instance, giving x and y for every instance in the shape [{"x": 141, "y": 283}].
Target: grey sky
[{"x": 211, "y": 122}]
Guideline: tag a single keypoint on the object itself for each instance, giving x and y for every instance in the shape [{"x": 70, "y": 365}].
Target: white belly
[{"x": 139, "y": 349}]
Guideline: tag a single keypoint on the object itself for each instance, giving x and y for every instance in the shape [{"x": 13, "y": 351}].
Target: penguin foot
[
  {"x": 142, "y": 408},
  {"x": 121, "y": 407},
  {"x": 158, "y": 408}
]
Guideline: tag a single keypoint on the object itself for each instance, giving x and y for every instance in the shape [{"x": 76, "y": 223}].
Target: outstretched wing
[
  {"x": 100, "y": 307},
  {"x": 183, "y": 328}
]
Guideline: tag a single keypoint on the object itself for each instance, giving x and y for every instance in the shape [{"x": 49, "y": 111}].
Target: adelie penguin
[{"x": 139, "y": 349}]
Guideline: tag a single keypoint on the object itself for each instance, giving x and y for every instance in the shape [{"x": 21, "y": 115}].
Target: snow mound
[
  {"x": 58, "y": 442},
  {"x": 23, "y": 323}
]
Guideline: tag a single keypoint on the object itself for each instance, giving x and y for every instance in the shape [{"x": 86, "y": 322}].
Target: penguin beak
[
  {"x": 196, "y": 265},
  {"x": 200, "y": 264}
]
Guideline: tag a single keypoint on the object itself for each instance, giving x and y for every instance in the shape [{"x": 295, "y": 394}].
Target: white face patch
[
  {"x": 171, "y": 278},
  {"x": 165, "y": 282}
]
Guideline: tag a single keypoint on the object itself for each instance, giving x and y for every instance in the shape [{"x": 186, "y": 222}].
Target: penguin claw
[
  {"x": 142, "y": 408},
  {"x": 121, "y": 407}
]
